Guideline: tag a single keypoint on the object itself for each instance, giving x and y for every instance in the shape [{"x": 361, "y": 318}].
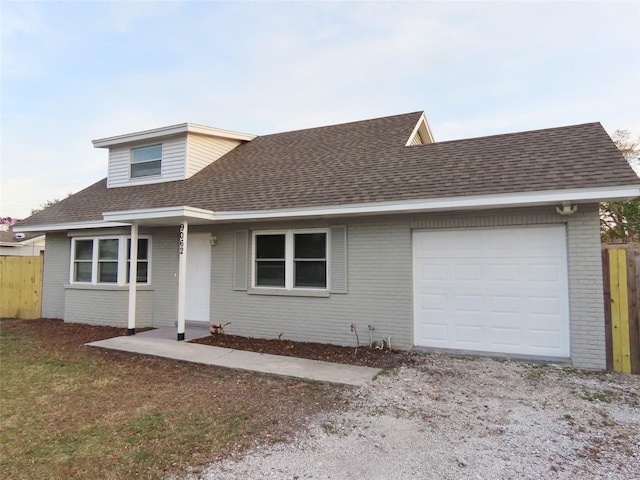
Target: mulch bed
[{"x": 363, "y": 355}]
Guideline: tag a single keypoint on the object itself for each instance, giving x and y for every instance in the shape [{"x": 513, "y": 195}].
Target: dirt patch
[{"x": 362, "y": 356}]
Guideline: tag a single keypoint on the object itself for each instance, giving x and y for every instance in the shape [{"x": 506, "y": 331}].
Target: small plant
[
  {"x": 330, "y": 428},
  {"x": 355, "y": 332},
  {"x": 217, "y": 329},
  {"x": 604, "y": 397},
  {"x": 384, "y": 371}
]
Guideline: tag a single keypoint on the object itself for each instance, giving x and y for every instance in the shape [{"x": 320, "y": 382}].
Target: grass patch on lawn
[{"x": 69, "y": 411}]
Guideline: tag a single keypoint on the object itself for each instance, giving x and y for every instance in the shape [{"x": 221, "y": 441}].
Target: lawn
[{"x": 70, "y": 411}]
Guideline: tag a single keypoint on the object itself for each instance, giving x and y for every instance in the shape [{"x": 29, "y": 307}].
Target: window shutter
[
  {"x": 241, "y": 258},
  {"x": 338, "y": 262}
]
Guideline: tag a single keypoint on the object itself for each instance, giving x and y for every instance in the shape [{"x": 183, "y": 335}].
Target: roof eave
[
  {"x": 173, "y": 215},
  {"x": 472, "y": 202},
  {"x": 168, "y": 131}
]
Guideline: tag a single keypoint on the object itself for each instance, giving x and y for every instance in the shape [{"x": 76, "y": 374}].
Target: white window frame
[
  {"x": 289, "y": 260},
  {"x": 131, "y": 162},
  {"x": 122, "y": 260}
]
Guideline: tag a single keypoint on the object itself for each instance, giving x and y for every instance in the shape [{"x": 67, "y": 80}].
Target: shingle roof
[
  {"x": 364, "y": 162},
  {"x": 9, "y": 237}
]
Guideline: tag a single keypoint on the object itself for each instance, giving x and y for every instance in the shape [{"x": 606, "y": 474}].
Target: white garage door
[{"x": 499, "y": 290}]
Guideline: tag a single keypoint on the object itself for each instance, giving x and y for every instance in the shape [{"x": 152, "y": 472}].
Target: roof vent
[{"x": 20, "y": 236}]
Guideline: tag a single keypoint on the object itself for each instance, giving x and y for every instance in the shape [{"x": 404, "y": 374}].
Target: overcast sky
[{"x": 77, "y": 71}]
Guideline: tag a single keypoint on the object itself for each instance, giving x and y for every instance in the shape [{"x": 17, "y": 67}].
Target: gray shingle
[{"x": 368, "y": 161}]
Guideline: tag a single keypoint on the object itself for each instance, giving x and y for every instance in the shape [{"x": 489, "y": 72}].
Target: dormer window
[{"x": 146, "y": 161}]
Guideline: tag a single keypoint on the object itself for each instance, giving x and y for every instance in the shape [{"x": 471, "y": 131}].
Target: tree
[
  {"x": 620, "y": 221},
  {"x": 48, "y": 203}
]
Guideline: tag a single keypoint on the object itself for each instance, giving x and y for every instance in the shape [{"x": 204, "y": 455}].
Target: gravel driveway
[{"x": 454, "y": 418}]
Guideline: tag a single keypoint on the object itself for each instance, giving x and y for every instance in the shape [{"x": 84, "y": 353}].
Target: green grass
[{"x": 68, "y": 411}]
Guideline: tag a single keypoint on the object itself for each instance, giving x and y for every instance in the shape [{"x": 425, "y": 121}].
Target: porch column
[
  {"x": 182, "y": 278},
  {"x": 133, "y": 280}
]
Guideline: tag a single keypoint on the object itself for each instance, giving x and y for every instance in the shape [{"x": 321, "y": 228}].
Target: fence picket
[{"x": 21, "y": 287}]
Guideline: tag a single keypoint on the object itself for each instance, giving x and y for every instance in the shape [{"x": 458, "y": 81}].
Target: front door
[{"x": 198, "y": 277}]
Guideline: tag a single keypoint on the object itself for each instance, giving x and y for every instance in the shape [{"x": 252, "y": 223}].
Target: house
[
  {"x": 20, "y": 244},
  {"x": 485, "y": 244}
]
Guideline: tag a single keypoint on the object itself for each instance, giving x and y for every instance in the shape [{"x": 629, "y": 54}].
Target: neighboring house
[
  {"x": 485, "y": 245},
  {"x": 20, "y": 244}
]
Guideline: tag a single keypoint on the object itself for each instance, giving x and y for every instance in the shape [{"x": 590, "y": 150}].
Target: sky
[{"x": 72, "y": 72}]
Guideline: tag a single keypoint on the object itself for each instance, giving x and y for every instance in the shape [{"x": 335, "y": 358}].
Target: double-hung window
[
  {"x": 146, "y": 161},
  {"x": 290, "y": 259},
  {"x": 107, "y": 260},
  {"x": 143, "y": 260}
]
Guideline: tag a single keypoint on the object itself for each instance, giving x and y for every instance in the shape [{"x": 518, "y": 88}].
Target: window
[
  {"x": 310, "y": 260},
  {"x": 146, "y": 161},
  {"x": 107, "y": 260},
  {"x": 290, "y": 259},
  {"x": 143, "y": 260},
  {"x": 270, "y": 260},
  {"x": 82, "y": 261}
]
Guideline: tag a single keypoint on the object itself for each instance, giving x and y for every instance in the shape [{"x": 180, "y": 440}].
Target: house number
[{"x": 181, "y": 241}]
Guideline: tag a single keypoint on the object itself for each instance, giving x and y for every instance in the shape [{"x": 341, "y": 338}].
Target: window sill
[
  {"x": 105, "y": 286},
  {"x": 283, "y": 292}
]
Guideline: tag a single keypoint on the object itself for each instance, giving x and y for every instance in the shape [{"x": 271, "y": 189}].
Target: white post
[
  {"x": 133, "y": 280},
  {"x": 182, "y": 278}
]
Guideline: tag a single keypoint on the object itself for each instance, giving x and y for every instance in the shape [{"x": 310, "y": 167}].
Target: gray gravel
[{"x": 448, "y": 418}]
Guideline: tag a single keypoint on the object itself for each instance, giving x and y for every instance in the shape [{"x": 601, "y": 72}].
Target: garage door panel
[
  {"x": 433, "y": 302},
  {"x": 502, "y": 338},
  {"x": 543, "y": 273},
  {"x": 432, "y": 272},
  {"x": 436, "y": 333},
  {"x": 469, "y": 335},
  {"x": 468, "y": 271},
  {"x": 498, "y": 290},
  {"x": 467, "y": 303},
  {"x": 544, "y": 306},
  {"x": 505, "y": 304},
  {"x": 505, "y": 272}
]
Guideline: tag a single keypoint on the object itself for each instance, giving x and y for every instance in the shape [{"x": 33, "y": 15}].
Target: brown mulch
[
  {"x": 78, "y": 334},
  {"x": 362, "y": 356}
]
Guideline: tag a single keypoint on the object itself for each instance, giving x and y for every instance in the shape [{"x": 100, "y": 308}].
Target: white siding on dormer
[
  {"x": 416, "y": 140},
  {"x": 173, "y": 163},
  {"x": 174, "y": 152},
  {"x": 203, "y": 151}
]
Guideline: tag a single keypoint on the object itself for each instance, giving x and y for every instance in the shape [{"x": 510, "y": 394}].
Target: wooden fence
[
  {"x": 21, "y": 287},
  {"x": 621, "y": 269}
]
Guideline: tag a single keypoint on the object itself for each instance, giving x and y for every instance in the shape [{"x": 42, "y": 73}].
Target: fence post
[
  {"x": 619, "y": 311},
  {"x": 633, "y": 277},
  {"x": 606, "y": 280}
]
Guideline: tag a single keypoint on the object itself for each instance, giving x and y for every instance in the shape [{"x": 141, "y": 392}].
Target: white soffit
[
  {"x": 443, "y": 204},
  {"x": 141, "y": 215}
]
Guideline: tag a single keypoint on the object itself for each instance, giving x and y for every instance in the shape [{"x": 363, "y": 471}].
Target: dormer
[
  {"x": 166, "y": 154},
  {"x": 421, "y": 134}
]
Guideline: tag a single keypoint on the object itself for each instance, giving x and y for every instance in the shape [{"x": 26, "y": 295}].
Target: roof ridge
[
  {"x": 520, "y": 132},
  {"x": 321, "y": 127}
]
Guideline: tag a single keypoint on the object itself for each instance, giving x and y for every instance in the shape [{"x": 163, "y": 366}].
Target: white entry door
[
  {"x": 198, "y": 277},
  {"x": 502, "y": 290}
]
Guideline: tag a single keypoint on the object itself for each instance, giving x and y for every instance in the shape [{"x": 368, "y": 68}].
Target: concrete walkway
[{"x": 162, "y": 343}]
